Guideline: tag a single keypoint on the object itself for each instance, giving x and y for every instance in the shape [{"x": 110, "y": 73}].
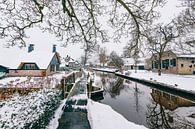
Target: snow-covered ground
[
  {"x": 106, "y": 69},
  {"x": 102, "y": 116},
  {"x": 25, "y": 111},
  {"x": 186, "y": 82},
  {"x": 184, "y": 114},
  {"x": 38, "y": 82}
]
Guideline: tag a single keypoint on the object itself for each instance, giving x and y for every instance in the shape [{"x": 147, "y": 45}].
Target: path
[{"x": 75, "y": 110}]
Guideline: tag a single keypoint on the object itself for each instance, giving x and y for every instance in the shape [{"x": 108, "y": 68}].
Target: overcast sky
[{"x": 45, "y": 40}]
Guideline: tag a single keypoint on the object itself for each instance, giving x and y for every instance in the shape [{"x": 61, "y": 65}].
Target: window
[
  {"x": 52, "y": 68},
  {"x": 167, "y": 96},
  {"x": 57, "y": 67},
  {"x": 163, "y": 63},
  {"x": 29, "y": 66},
  {"x": 182, "y": 65},
  {"x": 174, "y": 98},
  {"x": 174, "y": 62}
]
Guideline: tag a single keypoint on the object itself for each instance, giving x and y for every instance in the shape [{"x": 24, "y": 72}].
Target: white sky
[{"x": 45, "y": 40}]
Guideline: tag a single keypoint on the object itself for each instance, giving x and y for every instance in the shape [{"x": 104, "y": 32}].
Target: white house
[{"x": 129, "y": 64}]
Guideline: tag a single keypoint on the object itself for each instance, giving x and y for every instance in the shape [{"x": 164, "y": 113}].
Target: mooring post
[
  {"x": 65, "y": 88},
  {"x": 74, "y": 78},
  {"x": 90, "y": 88}
]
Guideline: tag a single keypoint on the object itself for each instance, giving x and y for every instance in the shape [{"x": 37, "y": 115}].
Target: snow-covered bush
[{"x": 31, "y": 111}]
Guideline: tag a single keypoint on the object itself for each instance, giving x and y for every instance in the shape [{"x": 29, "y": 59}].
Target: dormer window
[{"x": 29, "y": 66}]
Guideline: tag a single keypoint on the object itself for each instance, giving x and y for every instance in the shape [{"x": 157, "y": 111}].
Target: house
[
  {"x": 70, "y": 62},
  {"x": 174, "y": 63},
  {"x": 129, "y": 64},
  {"x": 31, "y": 62}
]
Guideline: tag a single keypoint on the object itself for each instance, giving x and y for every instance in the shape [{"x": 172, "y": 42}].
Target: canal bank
[
  {"x": 154, "y": 84},
  {"x": 145, "y": 105},
  {"x": 161, "y": 86}
]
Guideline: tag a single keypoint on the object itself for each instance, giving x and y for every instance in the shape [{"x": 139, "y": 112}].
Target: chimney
[
  {"x": 30, "y": 48},
  {"x": 54, "y": 48}
]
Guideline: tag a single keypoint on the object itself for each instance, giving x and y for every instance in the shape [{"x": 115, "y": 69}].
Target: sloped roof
[
  {"x": 131, "y": 61},
  {"x": 186, "y": 55},
  {"x": 12, "y": 57}
]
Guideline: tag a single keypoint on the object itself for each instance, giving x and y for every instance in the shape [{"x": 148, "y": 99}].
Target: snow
[
  {"x": 20, "y": 82},
  {"x": 131, "y": 61},
  {"x": 185, "y": 82},
  {"x": 102, "y": 116},
  {"x": 187, "y": 56},
  {"x": 106, "y": 69},
  {"x": 14, "y": 56},
  {"x": 14, "y": 80},
  {"x": 58, "y": 113},
  {"x": 185, "y": 114},
  {"x": 78, "y": 97},
  {"x": 20, "y": 111}
]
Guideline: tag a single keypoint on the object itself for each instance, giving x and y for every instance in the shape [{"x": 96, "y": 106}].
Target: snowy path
[{"x": 75, "y": 111}]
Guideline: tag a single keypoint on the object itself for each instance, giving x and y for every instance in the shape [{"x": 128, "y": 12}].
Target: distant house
[
  {"x": 70, "y": 62},
  {"x": 174, "y": 63},
  {"x": 129, "y": 64},
  {"x": 32, "y": 63}
]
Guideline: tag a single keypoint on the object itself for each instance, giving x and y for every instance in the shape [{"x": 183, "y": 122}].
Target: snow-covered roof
[
  {"x": 131, "y": 61},
  {"x": 71, "y": 60},
  {"x": 187, "y": 55},
  {"x": 128, "y": 61},
  {"x": 13, "y": 56}
]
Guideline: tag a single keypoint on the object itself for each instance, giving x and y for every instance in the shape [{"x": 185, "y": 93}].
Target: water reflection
[
  {"x": 145, "y": 106},
  {"x": 165, "y": 111},
  {"x": 169, "y": 101}
]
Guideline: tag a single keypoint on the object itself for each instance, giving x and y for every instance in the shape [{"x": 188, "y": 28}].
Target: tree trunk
[
  {"x": 85, "y": 58},
  {"x": 159, "y": 65}
]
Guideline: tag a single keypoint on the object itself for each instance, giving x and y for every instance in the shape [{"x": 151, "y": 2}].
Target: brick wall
[{"x": 185, "y": 66}]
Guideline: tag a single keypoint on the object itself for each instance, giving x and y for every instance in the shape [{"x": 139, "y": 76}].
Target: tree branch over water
[{"x": 76, "y": 21}]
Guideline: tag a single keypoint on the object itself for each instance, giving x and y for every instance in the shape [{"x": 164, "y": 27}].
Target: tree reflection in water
[
  {"x": 111, "y": 84},
  {"x": 116, "y": 87},
  {"x": 136, "y": 94},
  {"x": 159, "y": 117}
]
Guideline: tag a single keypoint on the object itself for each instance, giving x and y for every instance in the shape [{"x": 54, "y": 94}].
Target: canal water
[{"x": 143, "y": 105}]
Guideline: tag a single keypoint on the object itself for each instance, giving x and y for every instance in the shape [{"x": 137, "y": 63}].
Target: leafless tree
[
  {"x": 160, "y": 39},
  {"x": 71, "y": 21},
  {"x": 115, "y": 60},
  {"x": 75, "y": 21},
  {"x": 103, "y": 58},
  {"x": 185, "y": 23},
  {"x": 132, "y": 53},
  {"x": 133, "y": 21}
]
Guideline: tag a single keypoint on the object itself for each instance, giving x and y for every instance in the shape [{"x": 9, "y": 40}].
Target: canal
[{"x": 144, "y": 105}]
